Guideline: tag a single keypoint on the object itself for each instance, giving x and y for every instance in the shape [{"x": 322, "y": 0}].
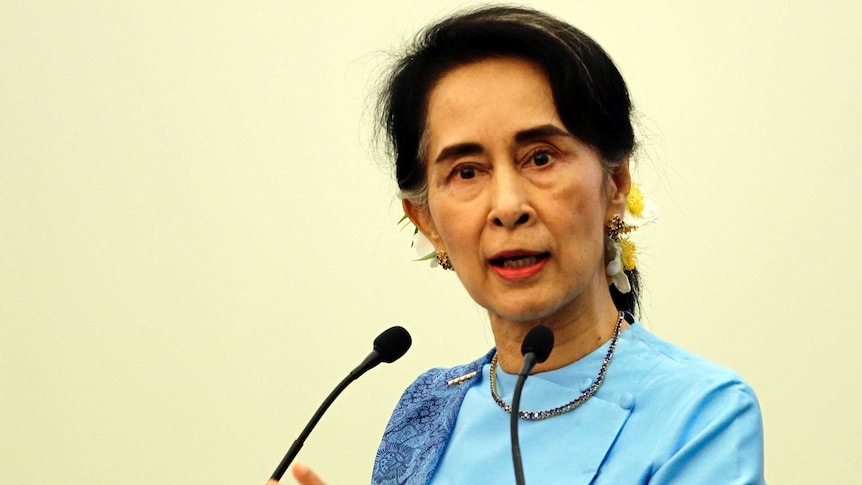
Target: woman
[{"x": 511, "y": 133}]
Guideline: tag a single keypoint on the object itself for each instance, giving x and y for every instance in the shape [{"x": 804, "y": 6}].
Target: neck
[{"x": 577, "y": 332}]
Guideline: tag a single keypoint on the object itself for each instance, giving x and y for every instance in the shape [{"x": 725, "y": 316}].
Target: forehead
[{"x": 489, "y": 99}]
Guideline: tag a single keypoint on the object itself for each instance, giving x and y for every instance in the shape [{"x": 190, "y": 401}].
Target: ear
[
  {"x": 421, "y": 218},
  {"x": 619, "y": 185}
]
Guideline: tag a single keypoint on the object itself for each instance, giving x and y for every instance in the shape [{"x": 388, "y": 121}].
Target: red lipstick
[{"x": 518, "y": 265}]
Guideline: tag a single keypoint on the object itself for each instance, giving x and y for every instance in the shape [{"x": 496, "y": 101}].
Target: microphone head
[
  {"x": 539, "y": 341},
  {"x": 392, "y": 344}
]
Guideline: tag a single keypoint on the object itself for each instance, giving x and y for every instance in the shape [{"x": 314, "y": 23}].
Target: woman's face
[{"x": 518, "y": 203}]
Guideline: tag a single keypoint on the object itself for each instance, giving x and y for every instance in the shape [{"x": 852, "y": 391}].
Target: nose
[{"x": 510, "y": 202}]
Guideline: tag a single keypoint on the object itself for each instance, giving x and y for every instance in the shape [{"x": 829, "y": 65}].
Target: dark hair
[{"x": 589, "y": 93}]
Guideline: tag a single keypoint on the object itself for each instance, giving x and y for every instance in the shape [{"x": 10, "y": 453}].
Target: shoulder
[
  {"x": 440, "y": 382},
  {"x": 672, "y": 368},
  {"x": 678, "y": 392},
  {"x": 704, "y": 418},
  {"x": 421, "y": 423}
]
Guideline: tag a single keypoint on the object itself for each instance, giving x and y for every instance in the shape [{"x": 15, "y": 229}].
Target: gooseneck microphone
[
  {"x": 389, "y": 346},
  {"x": 536, "y": 348}
]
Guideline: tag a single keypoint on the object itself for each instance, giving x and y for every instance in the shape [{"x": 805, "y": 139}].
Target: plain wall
[{"x": 197, "y": 239}]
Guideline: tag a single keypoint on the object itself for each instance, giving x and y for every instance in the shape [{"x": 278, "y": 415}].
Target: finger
[{"x": 305, "y": 476}]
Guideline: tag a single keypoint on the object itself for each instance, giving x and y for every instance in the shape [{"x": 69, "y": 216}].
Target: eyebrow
[
  {"x": 524, "y": 136},
  {"x": 544, "y": 131},
  {"x": 454, "y": 151}
]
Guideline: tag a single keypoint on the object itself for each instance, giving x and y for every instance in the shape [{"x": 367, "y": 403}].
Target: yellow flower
[
  {"x": 628, "y": 254},
  {"x": 635, "y": 202},
  {"x": 640, "y": 209}
]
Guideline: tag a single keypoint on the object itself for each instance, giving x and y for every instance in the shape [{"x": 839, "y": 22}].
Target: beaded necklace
[{"x": 549, "y": 413}]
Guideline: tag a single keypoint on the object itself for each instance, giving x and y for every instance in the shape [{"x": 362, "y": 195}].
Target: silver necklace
[{"x": 550, "y": 413}]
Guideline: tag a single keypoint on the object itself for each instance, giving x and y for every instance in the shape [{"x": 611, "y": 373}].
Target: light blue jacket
[{"x": 663, "y": 415}]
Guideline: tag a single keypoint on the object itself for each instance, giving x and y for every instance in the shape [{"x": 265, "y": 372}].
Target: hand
[{"x": 303, "y": 475}]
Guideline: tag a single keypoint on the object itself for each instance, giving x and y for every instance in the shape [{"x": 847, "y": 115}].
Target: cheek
[
  {"x": 583, "y": 201},
  {"x": 460, "y": 227},
  {"x": 446, "y": 215},
  {"x": 453, "y": 230},
  {"x": 580, "y": 218}
]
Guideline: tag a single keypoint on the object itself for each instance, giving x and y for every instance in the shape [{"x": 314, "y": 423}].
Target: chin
[
  {"x": 524, "y": 313},
  {"x": 531, "y": 306}
]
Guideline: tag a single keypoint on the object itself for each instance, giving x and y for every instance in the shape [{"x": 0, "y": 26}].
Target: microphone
[
  {"x": 389, "y": 346},
  {"x": 536, "y": 348}
]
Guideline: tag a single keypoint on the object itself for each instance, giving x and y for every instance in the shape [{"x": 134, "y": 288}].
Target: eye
[
  {"x": 466, "y": 173},
  {"x": 541, "y": 158}
]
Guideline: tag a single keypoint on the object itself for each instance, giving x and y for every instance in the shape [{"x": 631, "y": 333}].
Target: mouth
[{"x": 518, "y": 260}]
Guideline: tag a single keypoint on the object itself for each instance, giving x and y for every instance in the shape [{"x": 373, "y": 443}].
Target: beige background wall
[{"x": 196, "y": 242}]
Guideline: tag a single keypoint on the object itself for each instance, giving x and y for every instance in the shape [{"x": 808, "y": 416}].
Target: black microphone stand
[
  {"x": 529, "y": 362},
  {"x": 389, "y": 346},
  {"x": 536, "y": 348},
  {"x": 297, "y": 444}
]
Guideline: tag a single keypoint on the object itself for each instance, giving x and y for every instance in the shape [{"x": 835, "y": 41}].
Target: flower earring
[
  {"x": 443, "y": 260},
  {"x": 620, "y": 250},
  {"x": 616, "y": 228},
  {"x": 616, "y": 254},
  {"x": 425, "y": 249}
]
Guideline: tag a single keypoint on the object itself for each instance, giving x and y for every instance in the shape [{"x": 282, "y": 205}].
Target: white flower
[
  {"x": 424, "y": 249},
  {"x": 640, "y": 209},
  {"x": 614, "y": 269}
]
